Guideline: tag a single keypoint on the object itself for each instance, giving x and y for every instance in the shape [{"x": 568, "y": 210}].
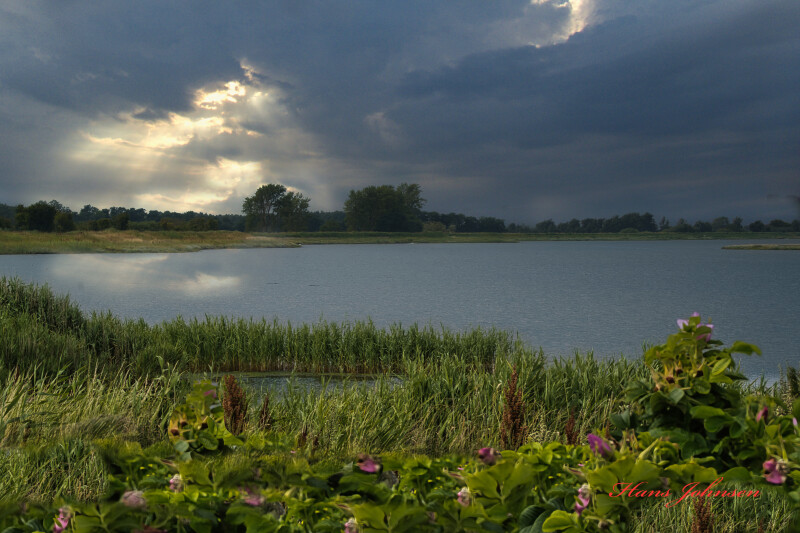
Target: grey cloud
[{"x": 649, "y": 97}]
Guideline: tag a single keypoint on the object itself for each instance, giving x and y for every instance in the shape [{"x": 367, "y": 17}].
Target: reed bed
[{"x": 53, "y": 332}]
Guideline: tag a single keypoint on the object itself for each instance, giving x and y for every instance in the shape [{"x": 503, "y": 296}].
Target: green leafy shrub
[{"x": 197, "y": 426}]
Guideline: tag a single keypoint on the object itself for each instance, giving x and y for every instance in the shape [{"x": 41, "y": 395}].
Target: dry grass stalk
[
  {"x": 264, "y": 415},
  {"x": 234, "y": 405},
  {"x": 703, "y": 519},
  {"x": 513, "y": 428}
]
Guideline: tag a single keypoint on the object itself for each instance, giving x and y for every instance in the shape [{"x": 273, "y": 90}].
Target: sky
[{"x": 523, "y": 110}]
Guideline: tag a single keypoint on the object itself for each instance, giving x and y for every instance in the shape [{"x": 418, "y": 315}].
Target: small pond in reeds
[{"x": 276, "y": 384}]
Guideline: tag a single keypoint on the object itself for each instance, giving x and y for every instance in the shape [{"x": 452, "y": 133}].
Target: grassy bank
[
  {"x": 388, "y": 238},
  {"x": 34, "y": 242},
  {"x": 133, "y": 241}
]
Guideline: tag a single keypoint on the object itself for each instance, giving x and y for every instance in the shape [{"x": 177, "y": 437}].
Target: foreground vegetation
[
  {"x": 117, "y": 241},
  {"x": 101, "y": 430}
]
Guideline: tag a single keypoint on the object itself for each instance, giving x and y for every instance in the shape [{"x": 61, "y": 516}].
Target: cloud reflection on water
[{"x": 155, "y": 271}]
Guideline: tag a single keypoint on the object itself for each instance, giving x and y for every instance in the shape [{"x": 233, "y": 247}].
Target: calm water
[{"x": 609, "y": 297}]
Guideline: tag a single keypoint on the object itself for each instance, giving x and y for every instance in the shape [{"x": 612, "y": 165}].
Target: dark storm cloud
[{"x": 652, "y": 106}]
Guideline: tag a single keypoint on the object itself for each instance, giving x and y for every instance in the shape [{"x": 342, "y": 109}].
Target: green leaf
[
  {"x": 676, "y": 395},
  {"x": 207, "y": 440},
  {"x": 371, "y": 515},
  {"x": 603, "y": 479},
  {"x": 705, "y": 411},
  {"x": 181, "y": 446},
  {"x": 621, "y": 420},
  {"x": 721, "y": 365},
  {"x": 536, "y": 526},
  {"x": 738, "y": 473},
  {"x": 702, "y": 386},
  {"x": 715, "y": 423},
  {"x": 529, "y": 515},
  {"x": 738, "y": 429},
  {"x": 743, "y": 347},
  {"x": 520, "y": 480},
  {"x": 559, "y": 521},
  {"x": 643, "y": 471},
  {"x": 407, "y": 518},
  {"x": 484, "y": 484}
]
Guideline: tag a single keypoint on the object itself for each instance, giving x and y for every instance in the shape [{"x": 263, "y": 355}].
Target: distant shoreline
[
  {"x": 762, "y": 247},
  {"x": 134, "y": 241}
]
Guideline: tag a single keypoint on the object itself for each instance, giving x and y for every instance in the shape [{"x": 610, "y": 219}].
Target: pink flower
[
  {"x": 464, "y": 497},
  {"x": 488, "y": 456},
  {"x": 775, "y": 471},
  {"x": 682, "y": 322},
  {"x": 210, "y": 392},
  {"x": 598, "y": 445},
  {"x": 706, "y": 336},
  {"x": 368, "y": 464},
  {"x": 776, "y": 477},
  {"x": 176, "y": 483},
  {"x": 584, "y": 498},
  {"x": 62, "y": 520},
  {"x": 351, "y": 526},
  {"x": 762, "y": 413},
  {"x": 251, "y": 497},
  {"x": 133, "y": 499}
]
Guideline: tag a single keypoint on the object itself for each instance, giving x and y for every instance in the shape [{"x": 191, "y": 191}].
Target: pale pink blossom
[
  {"x": 133, "y": 499},
  {"x": 62, "y": 520}
]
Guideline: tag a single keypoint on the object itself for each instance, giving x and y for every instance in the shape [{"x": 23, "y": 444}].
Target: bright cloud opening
[{"x": 207, "y": 158}]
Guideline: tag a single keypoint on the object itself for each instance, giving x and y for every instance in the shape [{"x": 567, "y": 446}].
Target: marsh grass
[
  {"x": 48, "y": 425},
  {"x": 447, "y": 406},
  {"x": 55, "y": 333}
]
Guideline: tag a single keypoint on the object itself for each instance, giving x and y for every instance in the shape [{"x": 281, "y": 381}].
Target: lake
[{"x": 608, "y": 297}]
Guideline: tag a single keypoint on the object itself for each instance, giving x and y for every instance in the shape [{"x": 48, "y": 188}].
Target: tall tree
[
  {"x": 384, "y": 208},
  {"x": 292, "y": 212},
  {"x": 263, "y": 204},
  {"x": 39, "y": 216}
]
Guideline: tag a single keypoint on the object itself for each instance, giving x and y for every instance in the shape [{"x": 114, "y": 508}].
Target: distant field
[{"x": 32, "y": 242}]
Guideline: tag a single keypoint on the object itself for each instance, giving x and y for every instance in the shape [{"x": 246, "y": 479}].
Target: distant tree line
[
  {"x": 384, "y": 208},
  {"x": 53, "y": 216}
]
